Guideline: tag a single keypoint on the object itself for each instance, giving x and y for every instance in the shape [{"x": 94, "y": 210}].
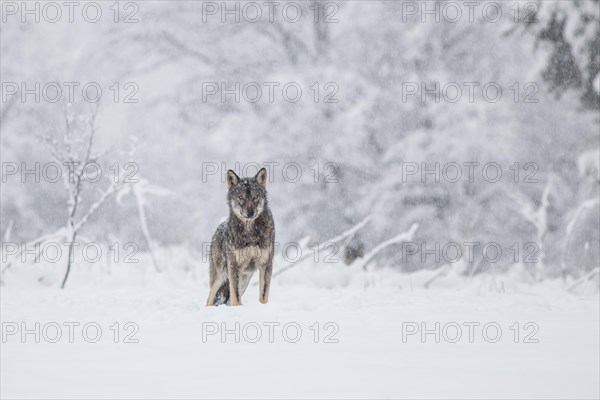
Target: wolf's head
[{"x": 247, "y": 197}]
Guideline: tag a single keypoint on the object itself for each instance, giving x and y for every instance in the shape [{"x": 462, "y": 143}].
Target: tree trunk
[{"x": 71, "y": 245}]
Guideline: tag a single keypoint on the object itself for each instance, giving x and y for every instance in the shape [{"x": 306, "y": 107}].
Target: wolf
[{"x": 243, "y": 243}]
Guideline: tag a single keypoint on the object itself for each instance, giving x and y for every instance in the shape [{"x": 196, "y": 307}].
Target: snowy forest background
[{"x": 363, "y": 141}]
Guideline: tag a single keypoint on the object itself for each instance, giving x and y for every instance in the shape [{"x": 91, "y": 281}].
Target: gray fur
[{"x": 243, "y": 243}]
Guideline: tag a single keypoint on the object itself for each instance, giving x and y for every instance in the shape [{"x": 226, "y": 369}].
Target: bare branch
[
  {"x": 403, "y": 237},
  {"x": 590, "y": 275},
  {"x": 327, "y": 243}
]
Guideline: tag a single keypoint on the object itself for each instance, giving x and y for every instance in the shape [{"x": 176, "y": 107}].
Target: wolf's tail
[{"x": 222, "y": 295}]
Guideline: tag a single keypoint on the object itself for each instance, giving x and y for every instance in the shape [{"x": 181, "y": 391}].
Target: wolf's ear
[
  {"x": 261, "y": 177},
  {"x": 232, "y": 179}
]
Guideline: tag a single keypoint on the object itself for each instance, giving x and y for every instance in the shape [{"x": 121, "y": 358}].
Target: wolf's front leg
[
  {"x": 234, "y": 284},
  {"x": 265, "y": 280},
  {"x": 217, "y": 278}
]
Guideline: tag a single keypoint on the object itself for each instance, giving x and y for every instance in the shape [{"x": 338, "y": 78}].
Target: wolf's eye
[{"x": 255, "y": 197}]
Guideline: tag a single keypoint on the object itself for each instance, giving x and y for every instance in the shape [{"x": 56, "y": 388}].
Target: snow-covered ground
[{"x": 365, "y": 347}]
